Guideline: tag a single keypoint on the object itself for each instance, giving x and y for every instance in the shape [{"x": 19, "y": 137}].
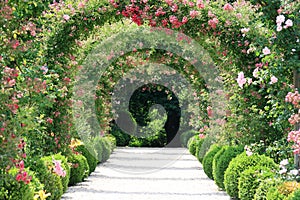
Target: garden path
[{"x": 147, "y": 173}]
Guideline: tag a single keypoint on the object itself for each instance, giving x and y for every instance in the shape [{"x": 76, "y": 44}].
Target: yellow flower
[
  {"x": 42, "y": 195},
  {"x": 75, "y": 143}
]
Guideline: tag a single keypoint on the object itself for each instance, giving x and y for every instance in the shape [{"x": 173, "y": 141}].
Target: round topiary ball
[
  {"x": 106, "y": 149},
  {"x": 51, "y": 181},
  {"x": 238, "y": 165},
  {"x": 98, "y": 147},
  {"x": 251, "y": 178},
  {"x": 204, "y": 146},
  {"x": 79, "y": 168},
  {"x": 208, "y": 160},
  {"x": 90, "y": 154},
  {"x": 221, "y": 162},
  {"x": 194, "y": 143},
  {"x": 48, "y": 160}
]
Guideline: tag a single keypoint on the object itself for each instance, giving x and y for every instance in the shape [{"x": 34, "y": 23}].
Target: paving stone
[{"x": 147, "y": 173}]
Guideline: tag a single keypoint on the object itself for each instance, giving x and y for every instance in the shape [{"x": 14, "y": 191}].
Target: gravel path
[{"x": 147, "y": 173}]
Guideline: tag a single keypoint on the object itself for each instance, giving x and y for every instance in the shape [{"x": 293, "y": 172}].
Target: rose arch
[
  {"x": 252, "y": 55},
  {"x": 222, "y": 29},
  {"x": 67, "y": 69}
]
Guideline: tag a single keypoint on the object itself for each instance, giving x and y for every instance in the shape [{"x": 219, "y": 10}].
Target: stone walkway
[{"x": 147, "y": 173}]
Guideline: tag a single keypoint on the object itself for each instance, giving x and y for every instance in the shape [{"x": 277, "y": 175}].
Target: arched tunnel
[{"x": 149, "y": 95}]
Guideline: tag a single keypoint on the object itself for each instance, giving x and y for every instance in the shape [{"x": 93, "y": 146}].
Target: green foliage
[
  {"x": 295, "y": 195},
  {"x": 66, "y": 167},
  {"x": 194, "y": 143},
  {"x": 184, "y": 137},
  {"x": 106, "y": 149},
  {"x": 264, "y": 187},
  {"x": 112, "y": 140},
  {"x": 208, "y": 160},
  {"x": 79, "y": 168},
  {"x": 11, "y": 189},
  {"x": 203, "y": 147},
  {"x": 251, "y": 178},
  {"x": 238, "y": 165},
  {"x": 122, "y": 139},
  {"x": 153, "y": 133},
  {"x": 98, "y": 145},
  {"x": 277, "y": 150},
  {"x": 90, "y": 154},
  {"x": 103, "y": 147},
  {"x": 51, "y": 181},
  {"x": 221, "y": 162},
  {"x": 274, "y": 194}
]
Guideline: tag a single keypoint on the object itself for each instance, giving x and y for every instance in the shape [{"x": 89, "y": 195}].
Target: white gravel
[{"x": 147, "y": 173}]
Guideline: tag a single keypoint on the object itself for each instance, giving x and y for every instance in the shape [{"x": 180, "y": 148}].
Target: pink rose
[
  {"x": 273, "y": 80},
  {"x": 289, "y": 23},
  {"x": 228, "y": 7},
  {"x": 66, "y": 17},
  {"x": 241, "y": 80},
  {"x": 266, "y": 51},
  {"x": 193, "y": 13}
]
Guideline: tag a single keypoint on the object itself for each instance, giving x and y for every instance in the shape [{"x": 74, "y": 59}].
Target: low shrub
[
  {"x": 283, "y": 191},
  {"x": 193, "y": 143},
  {"x": 103, "y": 147},
  {"x": 264, "y": 186},
  {"x": 90, "y": 154},
  {"x": 295, "y": 195},
  {"x": 112, "y": 140},
  {"x": 238, "y": 165},
  {"x": 66, "y": 167},
  {"x": 79, "y": 168},
  {"x": 51, "y": 181},
  {"x": 98, "y": 148},
  {"x": 274, "y": 194},
  {"x": 208, "y": 160},
  {"x": 203, "y": 147},
  {"x": 11, "y": 189},
  {"x": 184, "y": 137},
  {"x": 106, "y": 149},
  {"x": 221, "y": 162},
  {"x": 251, "y": 178}
]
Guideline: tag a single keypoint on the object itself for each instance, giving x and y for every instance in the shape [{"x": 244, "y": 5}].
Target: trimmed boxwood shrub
[
  {"x": 103, "y": 148},
  {"x": 90, "y": 154},
  {"x": 251, "y": 178},
  {"x": 106, "y": 149},
  {"x": 221, "y": 162},
  {"x": 203, "y": 147},
  {"x": 193, "y": 143},
  {"x": 208, "y": 160},
  {"x": 51, "y": 181},
  {"x": 79, "y": 168},
  {"x": 184, "y": 137},
  {"x": 112, "y": 140},
  {"x": 264, "y": 186},
  {"x": 238, "y": 165},
  {"x": 11, "y": 189},
  {"x": 98, "y": 148},
  {"x": 65, "y": 166}
]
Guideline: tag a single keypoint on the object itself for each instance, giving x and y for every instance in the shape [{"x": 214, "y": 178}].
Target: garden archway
[{"x": 226, "y": 40}]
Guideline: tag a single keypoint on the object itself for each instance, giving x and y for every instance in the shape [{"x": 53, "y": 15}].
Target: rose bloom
[
  {"x": 273, "y": 80},
  {"x": 266, "y": 51}
]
